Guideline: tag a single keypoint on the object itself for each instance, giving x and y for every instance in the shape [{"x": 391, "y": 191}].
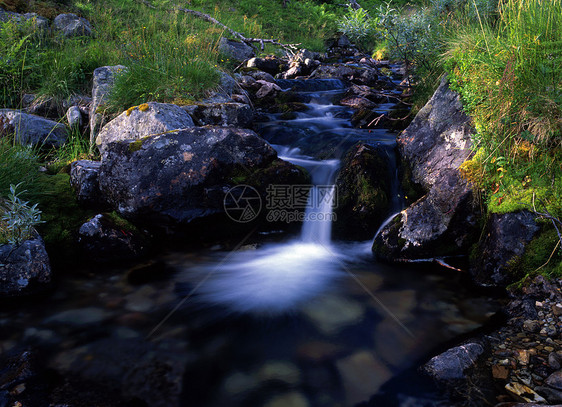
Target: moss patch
[{"x": 63, "y": 217}]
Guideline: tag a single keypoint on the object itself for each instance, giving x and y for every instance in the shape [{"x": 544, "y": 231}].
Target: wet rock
[
  {"x": 141, "y": 121},
  {"x": 363, "y": 193},
  {"x": 103, "y": 81},
  {"x": 17, "y": 369},
  {"x": 358, "y": 75},
  {"x": 461, "y": 372},
  {"x": 293, "y": 399},
  {"x": 261, "y": 76},
  {"x": 221, "y": 114},
  {"x": 79, "y": 317},
  {"x": 444, "y": 222},
  {"x": 239, "y": 383},
  {"x": 74, "y": 117},
  {"x": 32, "y": 130},
  {"x": 281, "y": 371},
  {"x": 70, "y": 25},
  {"x": 531, "y": 325},
  {"x": 555, "y": 380},
  {"x": 235, "y": 50},
  {"x": 84, "y": 178},
  {"x": 555, "y": 360},
  {"x": 506, "y": 238},
  {"x": 267, "y": 89},
  {"x": 248, "y": 82},
  {"x": 332, "y": 313},
  {"x": 452, "y": 364},
  {"x": 269, "y": 64},
  {"x": 107, "y": 238},
  {"x": 362, "y": 374},
  {"x": 135, "y": 368},
  {"x": 24, "y": 268},
  {"x": 357, "y": 102}
]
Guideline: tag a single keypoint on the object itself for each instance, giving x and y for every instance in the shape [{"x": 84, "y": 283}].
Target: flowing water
[{"x": 287, "y": 321}]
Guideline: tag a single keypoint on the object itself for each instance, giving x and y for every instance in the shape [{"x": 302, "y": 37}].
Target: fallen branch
[
  {"x": 439, "y": 261},
  {"x": 262, "y": 41}
]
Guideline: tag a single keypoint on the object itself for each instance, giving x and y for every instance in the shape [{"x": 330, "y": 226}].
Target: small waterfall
[{"x": 318, "y": 218}]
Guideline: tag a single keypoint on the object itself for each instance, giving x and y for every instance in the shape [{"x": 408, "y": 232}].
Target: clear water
[{"x": 281, "y": 321}]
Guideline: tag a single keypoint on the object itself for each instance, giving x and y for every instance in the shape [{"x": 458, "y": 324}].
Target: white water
[{"x": 279, "y": 277}]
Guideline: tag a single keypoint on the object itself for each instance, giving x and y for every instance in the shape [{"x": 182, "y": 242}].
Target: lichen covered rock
[{"x": 144, "y": 120}]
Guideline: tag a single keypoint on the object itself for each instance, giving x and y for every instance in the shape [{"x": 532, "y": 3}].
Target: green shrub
[{"x": 19, "y": 219}]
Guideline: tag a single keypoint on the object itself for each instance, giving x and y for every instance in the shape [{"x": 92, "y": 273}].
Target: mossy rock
[{"x": 363, "y": 188}]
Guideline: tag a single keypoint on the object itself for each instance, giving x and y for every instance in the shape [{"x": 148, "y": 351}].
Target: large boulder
[
  {"x": 32, "y": 130},
  {"x": 181, "y": 177},
  {"x": 24, "y": 268},
  {"x": 70, "y": 25},
  {"x": 269, "y": 64},
  {"x": 439, "y": 137},
  {"x": 222, "y": 114},
  {"x": 363, "y": 186},
  {"x": 103, "y": 81},
  {"x": 445, "y": 220},
  {"x": 144, "y": 120},
  {"x": 506, "y": 238},
  {"x": 235, "y": 50},
  {"x": 41, "y": 24}
]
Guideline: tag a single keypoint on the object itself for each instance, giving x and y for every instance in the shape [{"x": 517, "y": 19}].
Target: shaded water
[{"x": 282, "y": 321}]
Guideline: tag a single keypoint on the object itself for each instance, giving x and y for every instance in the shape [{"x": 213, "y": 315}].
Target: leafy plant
[
  {"x": 19, "y": 219},
  {"x": 356, "y": 24}
]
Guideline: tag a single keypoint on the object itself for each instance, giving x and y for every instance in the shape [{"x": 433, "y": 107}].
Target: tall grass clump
[{"x": 17, "y": 164}]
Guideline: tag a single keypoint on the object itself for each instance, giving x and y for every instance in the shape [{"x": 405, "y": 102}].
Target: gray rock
[
  {"x": 103, "y": 240},
  {"x": 452, "y": 364},
  {"x": 222, "y": 114},
  {"x": 39, "y": 23},
  {"x": 439, "y": 137},
  {"x": 74, "y": 117},
  {"x": 84, "y": 178},
  {"x": 78, "y": 317},
  {"x": 267, "y": 89},
  {"x": 444, "y": 221},
  {"x": 32, "y": 130},
  {"x": 555, "y": 380},
  {"x": 103, "y": 80},
  {"x": 363, "y": 75},
  {"x": 261, "y": 76},
  {"x": 269, "y": 64},
  {"x": 180, "y": 176},
  {"x": 141, "y": 121},
  {"x": 24, "y": 269},
  {"x": 235, "y": 50},
  {"x": 506, "y": 237},
  {"x": 70, "y": 25}
]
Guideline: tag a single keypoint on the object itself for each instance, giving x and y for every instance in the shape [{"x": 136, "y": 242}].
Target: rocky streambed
[{"x": 260, "y": 313}]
